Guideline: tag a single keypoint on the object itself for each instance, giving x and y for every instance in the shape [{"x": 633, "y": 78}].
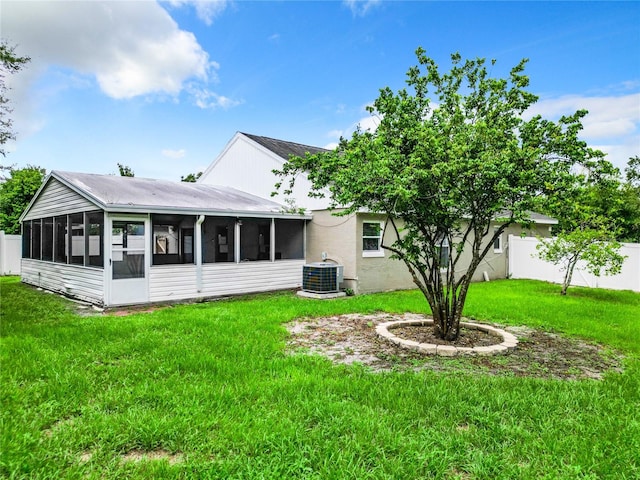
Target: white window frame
[
  {"x": 380, "y": 251},
  {"x": 445, "y": 245},
  {"x": 498, "y": 248}
]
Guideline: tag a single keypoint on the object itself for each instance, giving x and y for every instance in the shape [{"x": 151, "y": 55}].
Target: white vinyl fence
[
  {"x": 523, "y": 263},
  {"x": 10, "y": 254}
]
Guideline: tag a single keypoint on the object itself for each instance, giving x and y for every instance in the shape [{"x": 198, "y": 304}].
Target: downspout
[{"x": 198, "y": 252}]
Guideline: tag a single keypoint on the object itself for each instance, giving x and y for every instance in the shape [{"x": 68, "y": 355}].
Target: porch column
[
  {"x": 272, "y": 240},
  {"x": 236, "y": 240},
  {"x": 197, "y": 245}
]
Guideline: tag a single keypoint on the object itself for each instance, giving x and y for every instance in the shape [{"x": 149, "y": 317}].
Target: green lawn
[{"x": 209, "y": 390}]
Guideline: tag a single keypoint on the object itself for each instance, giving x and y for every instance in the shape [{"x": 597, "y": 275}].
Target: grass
[{"x": 207, "y": 391}]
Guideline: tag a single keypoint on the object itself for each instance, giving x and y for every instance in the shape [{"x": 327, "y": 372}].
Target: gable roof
[
  {"x": 133, "y": 194},
  {"x": 541, "y": 219},
  {"x": 283, "y": 148}
]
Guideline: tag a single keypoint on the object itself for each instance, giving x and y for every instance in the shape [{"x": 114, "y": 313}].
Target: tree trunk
[{"x": 568, "y": 275}]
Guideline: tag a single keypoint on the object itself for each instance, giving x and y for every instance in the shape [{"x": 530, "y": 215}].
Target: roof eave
[{"x": 122, "y": 209}]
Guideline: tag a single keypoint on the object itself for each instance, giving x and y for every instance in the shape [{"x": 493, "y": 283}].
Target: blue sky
[{"x": 163, "y": 86}]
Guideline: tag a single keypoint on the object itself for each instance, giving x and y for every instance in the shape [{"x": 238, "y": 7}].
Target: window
[
  {"x": 173, "y": 239},
  {"x": 94, "y": 246},
  {"x": 289, "y": 239},
  {"x": 26, "y": 239},
  {"x": 36, "y": 239},
  {"x": 77, "y": 238},
  {"x": 47, "y": 239},
  {"x": 497, "y": 243},
  {"x": 372, "y": 239},
  {"x": 443, "y": 252},
  {"x": 255, "y": 239},
  {"x": 218, "y": 239},
  {"x": 60, "y": 241}
]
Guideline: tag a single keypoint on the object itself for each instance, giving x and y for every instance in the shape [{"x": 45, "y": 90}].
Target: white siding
[
  {"x": 58, "y": 199},
  {"x": 75, "y": 281},
  {"x": 248, "y": 166},
  {"x": 172, "y": 282},
  {"x": 178, "y": 282}
]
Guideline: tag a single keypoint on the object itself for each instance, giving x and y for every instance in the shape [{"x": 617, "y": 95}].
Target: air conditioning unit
[{"x": 322, "y": 277}]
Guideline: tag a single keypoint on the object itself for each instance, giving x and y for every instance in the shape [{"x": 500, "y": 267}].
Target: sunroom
[{"x": 113, "y": 240}]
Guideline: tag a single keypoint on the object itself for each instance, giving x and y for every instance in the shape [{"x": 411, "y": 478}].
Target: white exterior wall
[
  {"x": 179, "y": 282},
  {"x": 84, "y": 283},
  {"x": 57, "y": 199},
  {"x": 10, "y": 253},
  {"x": 523, "y": 263},
  {"x": 248, "y": 166}
]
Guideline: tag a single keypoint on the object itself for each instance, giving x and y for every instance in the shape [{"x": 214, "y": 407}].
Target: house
[
  {"x": 354, "y": 241},
  {"x": 113, "y": 240}
]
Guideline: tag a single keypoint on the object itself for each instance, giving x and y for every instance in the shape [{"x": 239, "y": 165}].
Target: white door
[{"x": 128, "y": 262}]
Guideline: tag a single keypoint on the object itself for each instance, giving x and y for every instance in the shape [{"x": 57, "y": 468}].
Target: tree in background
[
  {"x": 191, "y": 178},
  {"x": 589, "y": 222},
  {"x": 16, "y": 191},
  {"x": 629, "y": 212},
  {"x": 125, "y": 171},
  {"x": 447, "y": 161},
  {"x": 9, "y": 63},
  {"x": 591, "y": 243}
]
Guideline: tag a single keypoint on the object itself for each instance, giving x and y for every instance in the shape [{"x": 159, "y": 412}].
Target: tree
[
  {"x": 125, "y": 171},
  {"x": 447, "y": 161},
  {"x": 9, "y": 63},
  {"x": 632, "y": 172},
  {"x": 629, "y": 213},
  {"x": 590, "y": 219},
  {"x": 16, "y": 191},
  {"x": 192, "y": 177},
  {"x": 591, "y": 244}
]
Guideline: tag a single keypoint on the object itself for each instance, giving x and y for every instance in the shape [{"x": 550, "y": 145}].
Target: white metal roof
[{"x": 133, "y": 194}]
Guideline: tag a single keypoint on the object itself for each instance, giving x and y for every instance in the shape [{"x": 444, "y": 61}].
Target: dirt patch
[
  {"x": 469, "y": 337},
  {"x": 350, "y": 339},
  {"x": 135, "y": 456}
]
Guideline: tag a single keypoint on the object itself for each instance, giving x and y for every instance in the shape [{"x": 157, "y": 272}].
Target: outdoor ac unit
[{"x": 322, "y": 277}]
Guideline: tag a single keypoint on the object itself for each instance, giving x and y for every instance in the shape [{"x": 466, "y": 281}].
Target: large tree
[
  {"x": 450, "y": 157},
  {"x": 9, "y": 63},
  {"x": 16, "y": 191}
]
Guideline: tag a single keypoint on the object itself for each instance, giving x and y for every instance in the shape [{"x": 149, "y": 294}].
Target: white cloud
[
  {"x": 205, "y": 99},
  {"x": 174, "y": 154},
  {"x": 127, "y": 48},
  {"x": 612, "y": 125},
  {"x": 369, "y": 124},
  {"x": 608, "y": 116},
  {"x": 361, "y": 7},
  {"x": 206, "y": 10},
  {"x": 131, "y": 48}
]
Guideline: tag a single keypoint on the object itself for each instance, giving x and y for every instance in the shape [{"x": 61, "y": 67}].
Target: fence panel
[
  {"x": 10, "y": 254},
  {"x": 523, "y": 263}
]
